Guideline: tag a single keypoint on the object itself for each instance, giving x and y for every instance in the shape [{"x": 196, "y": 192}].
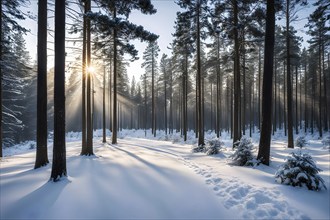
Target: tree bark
[
  {"x": 288, "y": 78},
  {"x": 41, "y": 154},
  {"x": 115, "y": 121},
  {"x": 103, "y": 116},
  {"x": 237, "y": 92},
  {"x": 1, "y": 80},
  {"x": 267, "y": 89},
  {"x": 59, "y": 151},
  {"x": 83, "y": 87},
  {"x": 89, "y": 118},
  {"x": 199, "y": 82}
]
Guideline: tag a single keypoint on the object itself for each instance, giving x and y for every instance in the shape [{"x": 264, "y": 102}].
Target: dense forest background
[{"x": 165, "y": 97}]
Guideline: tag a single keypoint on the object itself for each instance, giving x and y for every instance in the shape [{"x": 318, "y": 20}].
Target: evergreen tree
[
  {"x": 150, "y": 56},
  {"x": 9, "y": 15},
  {"x": 320, "y": 38},
  {"x": 117, "y": 25}
]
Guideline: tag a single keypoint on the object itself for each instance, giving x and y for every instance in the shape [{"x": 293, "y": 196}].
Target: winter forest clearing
[
  {"x": 150, "y": 178},
  {"x": 164, "y": 109}
]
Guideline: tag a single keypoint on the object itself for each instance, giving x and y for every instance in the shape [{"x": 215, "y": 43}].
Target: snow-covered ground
[{"x": 154, "y": 178}]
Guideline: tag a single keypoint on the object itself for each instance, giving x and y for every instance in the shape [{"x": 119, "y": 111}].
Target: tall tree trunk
[
  {"x": 114, "y": 121},
  {"x": 185, "y": 96},
  {"x": 199, "y": 82},
  {"x": 284, "y": 99},
  {"x": 1, "y": 35},
  {"x": 320, "y": 89},
  {"x": 153, "y": 114},
  {"x": 244, "y": 92},
  {"x": 103, "y": 116},
  {"x": 288, "y": 77},
  {"x": 89, "y": 118},
  {"x": 145, "y": 104},
  {"x": 297, "y": 122},
  {"x": 41, "y": 155},
  {"x": 259, "y": 88},
  {"x": 266, "y": 125},
  {"x": 83, "y": 87},
  {"x": 305, "y": 106},
  {"x": 237, "y": 86},
  {"x": 59, "y": 151},
  {"x": 110, "y": 92},
  {"x": 165, "y": 100},
  {"x": 219, "y": 88},
  {"x": 171, "y": 101},
  {"x": 275, "y": 97}
]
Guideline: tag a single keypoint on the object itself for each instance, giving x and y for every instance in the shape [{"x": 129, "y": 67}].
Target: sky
[{"x": 161, "y": 23}]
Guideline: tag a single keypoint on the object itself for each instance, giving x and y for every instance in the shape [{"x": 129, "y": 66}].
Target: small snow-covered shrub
[
  {"x": 199, "y": 149},
  {"x": 299, "y": 170},
  {"x": 301, "y": 141},
  {"x": 176, "y": 138},
  {"x": 326, "y": 142},
  {"x": 214, "y": 146},
  {"x": 243, "y": 155}
]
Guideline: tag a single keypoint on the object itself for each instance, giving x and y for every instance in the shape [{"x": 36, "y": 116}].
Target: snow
[{"x": 146, "y": 177}]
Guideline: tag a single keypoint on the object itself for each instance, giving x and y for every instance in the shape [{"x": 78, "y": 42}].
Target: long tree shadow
[
  {"x": 151, "y": 165},
  {"x": 29, "y": 207}
]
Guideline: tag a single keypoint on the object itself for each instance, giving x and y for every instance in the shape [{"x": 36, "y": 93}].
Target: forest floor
[{"x": 157, "y": 179}]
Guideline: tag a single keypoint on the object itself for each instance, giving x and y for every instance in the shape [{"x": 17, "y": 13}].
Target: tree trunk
[
  {"x": 297, "y": 122},
  {"x": 41, "y": 154},
  {"x": 1, "y": 79},
  {"x": 165, "y": 100},
  {"x": 266, "y": 125},
  {"x": 244, "y": 92},
  {"x": 83, "y": 87},
  {"x": 320, "y": 91},
  {"x": 199, "y": 82},
  {"x": 237, "y": 86},
  {"x": 145, "y": 104},
  {"x": 89, "y": 118},
  {"x": 114, "y": 118},
  {"x": 153, "y": 113},
  {"x": 288, "y": 77},
  {"x": 305, "y": 107},
  {"x": 59, "y": 151},
  {"x": 103, "y": 118},
  {"x": 259, "y": 88},
  {"x": 110, "y": 92},
  {"x": 219, "y": 87}
]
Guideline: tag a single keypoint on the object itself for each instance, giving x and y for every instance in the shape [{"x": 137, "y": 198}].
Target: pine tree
[
  {"x": 150, "y": 56},
  {"x": 119, "y": 27}
]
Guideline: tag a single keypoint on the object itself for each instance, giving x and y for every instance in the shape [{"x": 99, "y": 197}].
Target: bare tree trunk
[
  {"x": 267, "y": 89},
  {"x": 199, "y": 82},
  {"x": 288, "y": 78},
  {"x": 237, "y": 86},
  {"x": 165, "y": 100},
  {"x": 89, "y": 118},
  {"x": 115, "y": 121},
  {"x": 41, "y": 154},
  {"x": 1, "y": 79},
  {"x": 59, "y": 151},
  {"x": 305, "y": 107},
  {"x": 103, "y": 118},
  {"x": 297, "y": 122},
  {"x": 83, "y": 87},
  {"x": 244, "y": 92}
]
